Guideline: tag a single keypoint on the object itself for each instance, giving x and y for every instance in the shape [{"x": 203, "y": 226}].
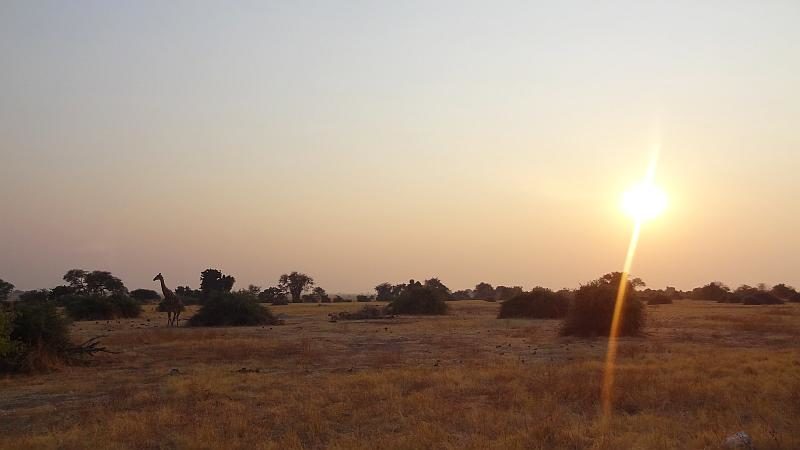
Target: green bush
[
  {"x": 97, "y": 307},
  {"x": 38, "y": 337},
  {"x": 658, "y": 299},
  {"x": 6, "y": 344},
  {"x": 232, "y": 309},
  {"x": 540, "y": 303},
  {"x": 592, "y": 310},
  {"x": 419, "y": 300},
  {"x": 761, "y": 298}
]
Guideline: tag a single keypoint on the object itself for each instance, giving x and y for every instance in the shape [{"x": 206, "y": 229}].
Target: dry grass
[{"x": 465, "y": 380}]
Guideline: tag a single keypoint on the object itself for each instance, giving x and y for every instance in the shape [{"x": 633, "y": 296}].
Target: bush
[
  {"x": 419, "y": 300},
  {"x": 96, "y": 307},
  {"x": 592, "y": 311},
  {"x": 540, "y": 303},
  {"x": 7, "y": 346},
  {"x": 365, "y": 313},
  {"x": 145, "y": 295},
  {"x": 34, "y": 337},
  {"x": 761, "y": 298},
  {"x": 659, "y": 299},
  {"x": 232, "y": 309},
  {"x": 363, "y": 298}
]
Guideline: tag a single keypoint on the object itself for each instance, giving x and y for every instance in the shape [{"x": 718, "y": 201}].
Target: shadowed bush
[
  {"x": 592, "y": 310},
  {"x": 232, "y": 309},
  {"x": 34, "y": 337},
  {"x": 761, "y": 298},
  {"x": 96, "y": 307},
  {"x": 365, "y": 313},
  {"x": 418, "y": 300},
  {"x": 658, "y": 299},
  {"x": 540, "y": 303}
]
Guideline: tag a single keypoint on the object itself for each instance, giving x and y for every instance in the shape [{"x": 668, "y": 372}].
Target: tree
[
  {"x": 483, "y": 290},
  {"x": 437, "y": 285},
  {"x": 145, "y": 295},
  {"x": 213, "y": 280},
  {"x": 39, "y": 295},
  {"x": 295, "y": 283},
  {"x": 272, "y": 294},
  {"x": 779, "y": 290},
  {"x": 715, "y": 291},
  {"x": 320, "y": 295},
  {"x": 101, "y": 282},
  {"x": 5, "y": 290},
  {"x": 464, "y": 294},
  {"x": 75, "y": 278},
  {"x": 96, "y": 282},
  {"x": 592, "y": 310},
  {"x": 384, "y": 292},
  {"x": 186, "y": 291},
  {"x": 505, "y": 292}
]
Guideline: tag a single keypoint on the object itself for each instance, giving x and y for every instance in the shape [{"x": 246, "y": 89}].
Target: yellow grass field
[{"x": 462, "y": 381}]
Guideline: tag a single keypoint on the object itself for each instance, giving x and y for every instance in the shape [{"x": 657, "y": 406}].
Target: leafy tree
[
  {"x": 436, "y": 284},
  {"x": 38, "y": 295},
  {"x": 75, "y": 278},
  {"x": 213, "y": 280},
  {"x": 295, "y": 283},
  {"x": 783, "y": 291},
  {"x": 483, "y": 290},
  {"x": 100, "y": 282},
  {"x": 539, "y": 303},
  {"x": 384, "y": 292},
  {"x": 715, "y": 291},
  {"x": 464, "y": 294},
  {"x": 320, "y": 295},
  {"x": 418, "y": 299},
  {"x": 592, "y": 310},
  {"x": 232, "y": 309},
  {"x": 186, "y": 291},
  {"x": 145, "y": 295},
  {"x": 6, "y": 289},
  {"x": 96, "y": 282},
  {"x": 505, "y": 292},
  {"x": 272, "y": 294},
  {"x": 60, "y": 291}
]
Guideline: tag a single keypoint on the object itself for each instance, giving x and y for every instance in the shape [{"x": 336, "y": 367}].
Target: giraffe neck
[{"x": 167, "y": 293}]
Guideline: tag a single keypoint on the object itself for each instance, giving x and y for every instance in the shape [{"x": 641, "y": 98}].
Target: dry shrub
[
  {"x": 592, "y": 311},
  {"x": 761, "y": 298},
  {"x": 540, "y": 303},
  {"x": 659, "y": 299},
  {"x": 365, "y": 313},
  {"x": 232, "y": 309},
  {"x": 419, "y": 300}
]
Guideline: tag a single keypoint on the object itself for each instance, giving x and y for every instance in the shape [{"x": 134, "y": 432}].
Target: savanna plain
[{"x": 701, "y": 371}]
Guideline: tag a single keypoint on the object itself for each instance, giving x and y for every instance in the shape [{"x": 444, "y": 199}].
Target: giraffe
[{"x": 171, "y": 304}]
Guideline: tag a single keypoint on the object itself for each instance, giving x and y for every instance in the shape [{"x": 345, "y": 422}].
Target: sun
[{"x": 644, "y": 202}]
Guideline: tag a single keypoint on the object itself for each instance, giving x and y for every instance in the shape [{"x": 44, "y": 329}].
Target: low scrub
[
  {"x": 761, "y": 298},
  {"x": 659, "y": 299},
  {"x": 33, "y": 337},
  {"x": 366, "y": 313},
  {"x": 232, "y": 309},
  {"x": 97, "y": 307},
  {"x": 419, "y": 300},
  {"x": 592, "y": 310},
  {"x": 540, "y": 303}
]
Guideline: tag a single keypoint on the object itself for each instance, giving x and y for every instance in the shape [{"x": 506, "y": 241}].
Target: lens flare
[{"x": 644, "y": 202}]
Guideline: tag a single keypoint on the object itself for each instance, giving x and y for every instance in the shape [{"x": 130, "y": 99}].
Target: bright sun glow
[{"x": 644, "y": 202}]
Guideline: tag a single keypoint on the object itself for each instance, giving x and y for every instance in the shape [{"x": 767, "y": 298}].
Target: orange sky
[{"x": 380, "y": 143}]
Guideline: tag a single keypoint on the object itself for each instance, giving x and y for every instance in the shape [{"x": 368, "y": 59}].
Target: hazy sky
[{"x": 363, "y": 142}]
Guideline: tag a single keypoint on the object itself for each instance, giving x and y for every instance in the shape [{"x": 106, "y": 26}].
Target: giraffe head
[{"x": 158, "y": 277}]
